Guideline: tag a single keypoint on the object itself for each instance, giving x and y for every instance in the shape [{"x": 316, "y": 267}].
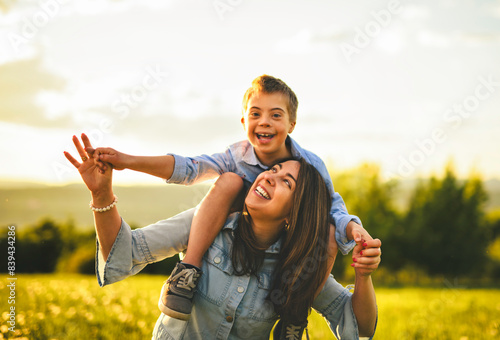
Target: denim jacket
[
  {"x": 226, "y": 306},
  {"x": 241, "y": 159}
]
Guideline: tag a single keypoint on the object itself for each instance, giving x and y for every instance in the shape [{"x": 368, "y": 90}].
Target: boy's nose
[{"x": 264, "y": 121}]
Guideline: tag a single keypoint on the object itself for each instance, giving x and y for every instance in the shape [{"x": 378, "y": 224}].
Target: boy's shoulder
[
  {"x": 298, "y": 151},
  {"x": 241, "y": 146},
  {"x": 243, "y": 152}
]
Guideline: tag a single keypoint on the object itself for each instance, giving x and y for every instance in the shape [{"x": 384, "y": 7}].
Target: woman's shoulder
[{"x": 232, "y": 221}]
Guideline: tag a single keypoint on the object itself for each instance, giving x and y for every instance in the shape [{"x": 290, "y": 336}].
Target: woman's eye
[
  {"x": 274, "y": 170},
  {"x": 287, "y": 182}
]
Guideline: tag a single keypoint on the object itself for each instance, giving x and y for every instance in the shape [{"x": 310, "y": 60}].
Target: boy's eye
[
  {"x": 277, "y": 115},
  {"x": 254, "y": 114}
]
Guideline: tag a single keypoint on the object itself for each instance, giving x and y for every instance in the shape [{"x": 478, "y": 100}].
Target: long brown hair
[{"x": 302, "y": 262}]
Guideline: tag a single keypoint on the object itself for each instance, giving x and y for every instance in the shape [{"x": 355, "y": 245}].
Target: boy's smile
[{"x": 267, "y": 124}]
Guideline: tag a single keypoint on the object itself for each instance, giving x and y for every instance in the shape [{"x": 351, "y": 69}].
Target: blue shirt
[
  {"x": 241, "y": 159},
  {"x": 225, "y": 306}
]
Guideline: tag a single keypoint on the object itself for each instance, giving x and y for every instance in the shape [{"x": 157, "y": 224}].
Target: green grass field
[{"x": 75, "y": 307}]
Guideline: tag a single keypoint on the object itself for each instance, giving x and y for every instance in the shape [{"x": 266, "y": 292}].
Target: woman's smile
[{"x": 262, "y": 192}]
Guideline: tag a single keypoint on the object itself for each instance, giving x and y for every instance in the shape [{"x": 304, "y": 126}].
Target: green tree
[
  {"x": 447, "y": 233},
  {"x": 39, "y": 248},
  {"x": 369, "y": 197}
]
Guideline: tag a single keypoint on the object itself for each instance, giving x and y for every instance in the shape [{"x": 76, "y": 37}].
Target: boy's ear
[
  {"x": 292, "y": 126},
  {"x": 243, "y": 121}
]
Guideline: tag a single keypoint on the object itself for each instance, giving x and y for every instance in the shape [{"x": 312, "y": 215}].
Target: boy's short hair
[{"x": 270, "y": 84}]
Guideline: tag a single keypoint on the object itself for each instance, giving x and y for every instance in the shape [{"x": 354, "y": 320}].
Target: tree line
[{"x": 441, "y": 230}]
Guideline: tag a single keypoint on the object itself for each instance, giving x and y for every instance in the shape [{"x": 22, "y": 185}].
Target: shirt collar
[{"x": 250, "y": 157}]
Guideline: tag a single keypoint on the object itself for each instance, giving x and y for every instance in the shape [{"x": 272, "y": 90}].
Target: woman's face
[{"x": 271, "y": 194}]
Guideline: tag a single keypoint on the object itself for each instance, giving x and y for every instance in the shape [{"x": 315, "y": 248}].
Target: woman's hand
[
  {"x": 366, "y": 257},
  {"x": 98, "y": 181}
]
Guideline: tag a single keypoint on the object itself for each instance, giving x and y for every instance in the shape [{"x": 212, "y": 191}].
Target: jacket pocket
[{"x": 261, "y": 308}]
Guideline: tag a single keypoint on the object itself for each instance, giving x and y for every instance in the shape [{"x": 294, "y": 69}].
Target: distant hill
[
  {"x": 26, "y": 203},
  {"x": 492, "y": 186}
]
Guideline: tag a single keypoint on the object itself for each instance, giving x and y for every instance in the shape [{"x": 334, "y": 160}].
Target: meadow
[{"x": 62, "y": 306}]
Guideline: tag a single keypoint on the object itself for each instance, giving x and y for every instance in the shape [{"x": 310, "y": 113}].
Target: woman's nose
[{"x": 269, "y": 177}]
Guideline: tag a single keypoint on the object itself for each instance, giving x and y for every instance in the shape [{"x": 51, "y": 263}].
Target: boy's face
[{"x": 267, "y": 124}]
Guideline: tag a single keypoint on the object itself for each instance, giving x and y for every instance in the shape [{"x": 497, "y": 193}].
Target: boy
[{"x": 269, "y": 115}]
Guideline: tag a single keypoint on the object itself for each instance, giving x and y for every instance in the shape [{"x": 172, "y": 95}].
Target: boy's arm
[
  {"x": 173, "y": 168},
  {"x": 349, "y": 229},
  {"x": 159, "y": 166}
]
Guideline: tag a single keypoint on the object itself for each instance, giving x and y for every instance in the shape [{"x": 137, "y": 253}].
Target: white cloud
[
  {"x": 391, "y": 41},
  {"x": 311, "y": 41},
  {"x": 435, "y": 39},
  {"x": 492, "y": 9},
  {"x": 299, "y": 43},
  {"x": 415, "y": 12}
]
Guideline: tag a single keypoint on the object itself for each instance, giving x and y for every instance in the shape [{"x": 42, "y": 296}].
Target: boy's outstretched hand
[
  {"x": 117, "y": 159},
  {"x": 357, "y": 233}
]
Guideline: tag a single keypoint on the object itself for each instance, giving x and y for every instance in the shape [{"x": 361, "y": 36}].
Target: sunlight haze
[{"x": 409, "y": 85}]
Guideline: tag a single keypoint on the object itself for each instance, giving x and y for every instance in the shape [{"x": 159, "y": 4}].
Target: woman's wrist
[
  {"x": 362, "y": 277},
  {"x": 102, "y": 198}
]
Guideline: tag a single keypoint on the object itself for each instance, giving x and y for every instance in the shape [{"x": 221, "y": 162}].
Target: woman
[{"x": 259, "y": 266}]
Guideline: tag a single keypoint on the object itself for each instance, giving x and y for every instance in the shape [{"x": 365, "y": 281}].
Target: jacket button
[
  {"x": 241, "y": 289},
  {"x": 217, "y": 260},
  {"x": 229, "y": 318}
]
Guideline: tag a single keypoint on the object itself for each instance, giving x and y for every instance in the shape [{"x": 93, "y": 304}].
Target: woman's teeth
[{"x": 261, "y": 192}]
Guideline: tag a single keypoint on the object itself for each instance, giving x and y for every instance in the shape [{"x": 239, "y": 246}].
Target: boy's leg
[
  {"x": 211, "y": 215},
  {"x": 177, "y": 294}
]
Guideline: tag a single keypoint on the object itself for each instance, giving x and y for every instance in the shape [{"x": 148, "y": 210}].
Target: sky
[{"x": 409, "y": 85}]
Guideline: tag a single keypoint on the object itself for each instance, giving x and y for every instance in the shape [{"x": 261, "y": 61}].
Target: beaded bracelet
[{"x": 109, "y": 207}]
